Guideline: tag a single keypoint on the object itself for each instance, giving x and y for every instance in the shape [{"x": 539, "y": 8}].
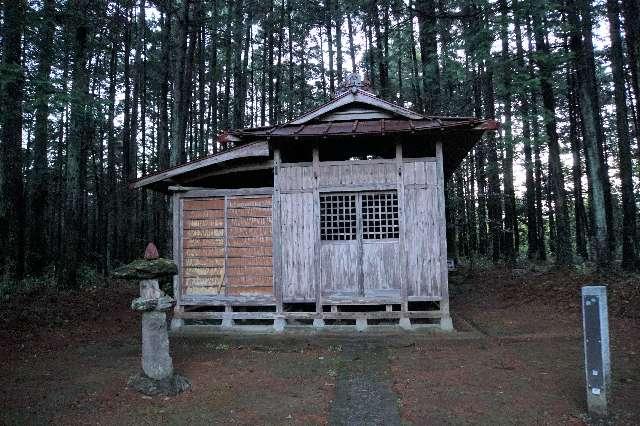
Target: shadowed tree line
[{"x": 97, "y": 93}]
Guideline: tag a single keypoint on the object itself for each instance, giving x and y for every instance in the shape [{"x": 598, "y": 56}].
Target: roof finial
[{"x": 352, "y": 83}]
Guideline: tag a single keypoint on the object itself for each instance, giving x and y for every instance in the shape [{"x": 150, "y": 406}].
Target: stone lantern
[{"x": 157, "y": 377}]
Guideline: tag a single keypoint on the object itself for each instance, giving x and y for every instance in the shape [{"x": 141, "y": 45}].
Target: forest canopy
[{"x": 97, "y": 93}]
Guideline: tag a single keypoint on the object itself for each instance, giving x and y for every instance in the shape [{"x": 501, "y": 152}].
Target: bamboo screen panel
[{"x": 227, "y": 246}]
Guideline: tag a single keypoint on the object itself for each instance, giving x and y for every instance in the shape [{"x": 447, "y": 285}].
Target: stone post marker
[
  {"x": 158, "y": 377},
  {"x": 597, "y": 361}
]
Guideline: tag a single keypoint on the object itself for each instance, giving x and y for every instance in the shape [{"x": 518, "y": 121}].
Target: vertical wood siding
[
  {"x": 339, "y": 266},
  {"x": 422, "y": 239},
  {"x": 298, "y": 237},
  {"x": 381, "y": 268}
]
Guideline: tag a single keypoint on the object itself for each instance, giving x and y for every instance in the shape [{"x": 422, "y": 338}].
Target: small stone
[{"x": 151, "y": 252}]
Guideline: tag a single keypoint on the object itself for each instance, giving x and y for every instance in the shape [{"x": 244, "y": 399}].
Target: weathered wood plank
[{"x": 297, "y": 245}]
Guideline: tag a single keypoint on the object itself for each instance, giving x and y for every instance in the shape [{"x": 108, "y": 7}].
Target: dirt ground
[{"x": 516, "y": 359}]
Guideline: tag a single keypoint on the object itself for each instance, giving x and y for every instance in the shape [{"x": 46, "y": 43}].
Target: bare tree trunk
[
  {"x": 328, "y": 24},
  {"x": 511, "y": 239},
  {"x": 426, "y": 10},
  {"x": 38, "y": 253},
  {"x": 564, "y": 250},
  {"x": 338, "y": 18},
  {"x": 180, "y": 110},
  {"x": 629, "y": 256},
  {"x": 590, "y": 138},
  {"x": 12, "y": 204},
  {"x": 352, "y": 50},
  {"x": 576, "y": 170},
  {"x": 415, "y": 80},
  {"x": 70, "y": 259}
]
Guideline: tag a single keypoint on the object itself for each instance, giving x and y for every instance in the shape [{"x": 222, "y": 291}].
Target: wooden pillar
[
  {"x": 277, "y": 231},
  {"x": 401, "y": 223},
  {"x": 445, "y": 320},
  {"x": 316, "y": 232},
  {"x": 176, "y": 204}
]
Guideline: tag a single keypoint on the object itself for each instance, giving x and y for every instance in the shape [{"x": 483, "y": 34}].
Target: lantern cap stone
[{"x": 143, "y": 269}]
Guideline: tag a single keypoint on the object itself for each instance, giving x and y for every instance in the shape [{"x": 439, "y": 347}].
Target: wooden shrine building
[{"x": 336, "y": 217}]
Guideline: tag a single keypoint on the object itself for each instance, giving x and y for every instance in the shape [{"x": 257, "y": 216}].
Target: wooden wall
[
  {"x": 227, "y": 247},
  {"x": 422, "y": 249},
  {"x": 366, "y": 268}
]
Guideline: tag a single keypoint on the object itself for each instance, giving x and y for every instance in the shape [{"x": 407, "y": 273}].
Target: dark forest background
[{"x": 97, "y": 93}]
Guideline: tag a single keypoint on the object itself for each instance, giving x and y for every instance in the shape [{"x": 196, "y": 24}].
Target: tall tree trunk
[
  {"x": 39, "y": 255},
  {"x": 328, "y": 24},
  {"x": 530, "y": 198},
  {"x": 576, "y": 170},
  {"x": 228, "y": 48},
  {"x": 113, "y": 198},
  {"x": 494, "y": 196},
  {"x": 629, "y": 257},
  {"x": 236, "y": 46},
  {"x": 511, "y": 240},
  {"x": 180, "y": 104},
  {"x": 426, "y": 10},
  {"x": 415, "y": 80},
  {"x": 212, "y": 125},
  {"x": 556, "y": 176},
  {"x": 352, "y": 49},
  {"x": 381, "y": 60},
  {"x": 590, "y": 138},
  {"x": 323, "y": 71},
  {"x": 586, "y": 28},
  {"x": 278, "y": 85},
  {"x": 12, "y": 204},
  {"x": 338, "y": 18},
  {"x": 69, "y": 261},
  {"x": 631, "y": 11}
]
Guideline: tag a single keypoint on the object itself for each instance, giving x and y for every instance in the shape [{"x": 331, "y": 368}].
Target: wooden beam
[{"x": 256, "y": 149}]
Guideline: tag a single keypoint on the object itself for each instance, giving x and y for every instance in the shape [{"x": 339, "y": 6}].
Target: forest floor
[{"x": 517, "y": 358}]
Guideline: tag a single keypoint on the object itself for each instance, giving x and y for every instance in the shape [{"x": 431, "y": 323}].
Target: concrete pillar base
[
  {"x": 446, "y": 324},
  {"x": 279, "y": 324},
  {"x": 318, "y": 323},
  {"x": 227, "y": 322},
  {"x": 405, "y": 323},
  {"x": 361, "y": 324}
]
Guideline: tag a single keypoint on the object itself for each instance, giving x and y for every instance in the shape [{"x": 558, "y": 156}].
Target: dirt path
[{"x": 363, "y": 390}]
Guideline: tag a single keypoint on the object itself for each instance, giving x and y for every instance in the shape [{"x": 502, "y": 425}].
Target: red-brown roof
[{"x": 366, "y": 127}]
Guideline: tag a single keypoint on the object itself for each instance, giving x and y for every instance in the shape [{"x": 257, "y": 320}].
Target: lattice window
[
  {"x": 338, "y": 218},
  {"x": 380, "y": 216}
]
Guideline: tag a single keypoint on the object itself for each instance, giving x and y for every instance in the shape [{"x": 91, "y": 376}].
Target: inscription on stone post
[{"x": 595, "y": 322}]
